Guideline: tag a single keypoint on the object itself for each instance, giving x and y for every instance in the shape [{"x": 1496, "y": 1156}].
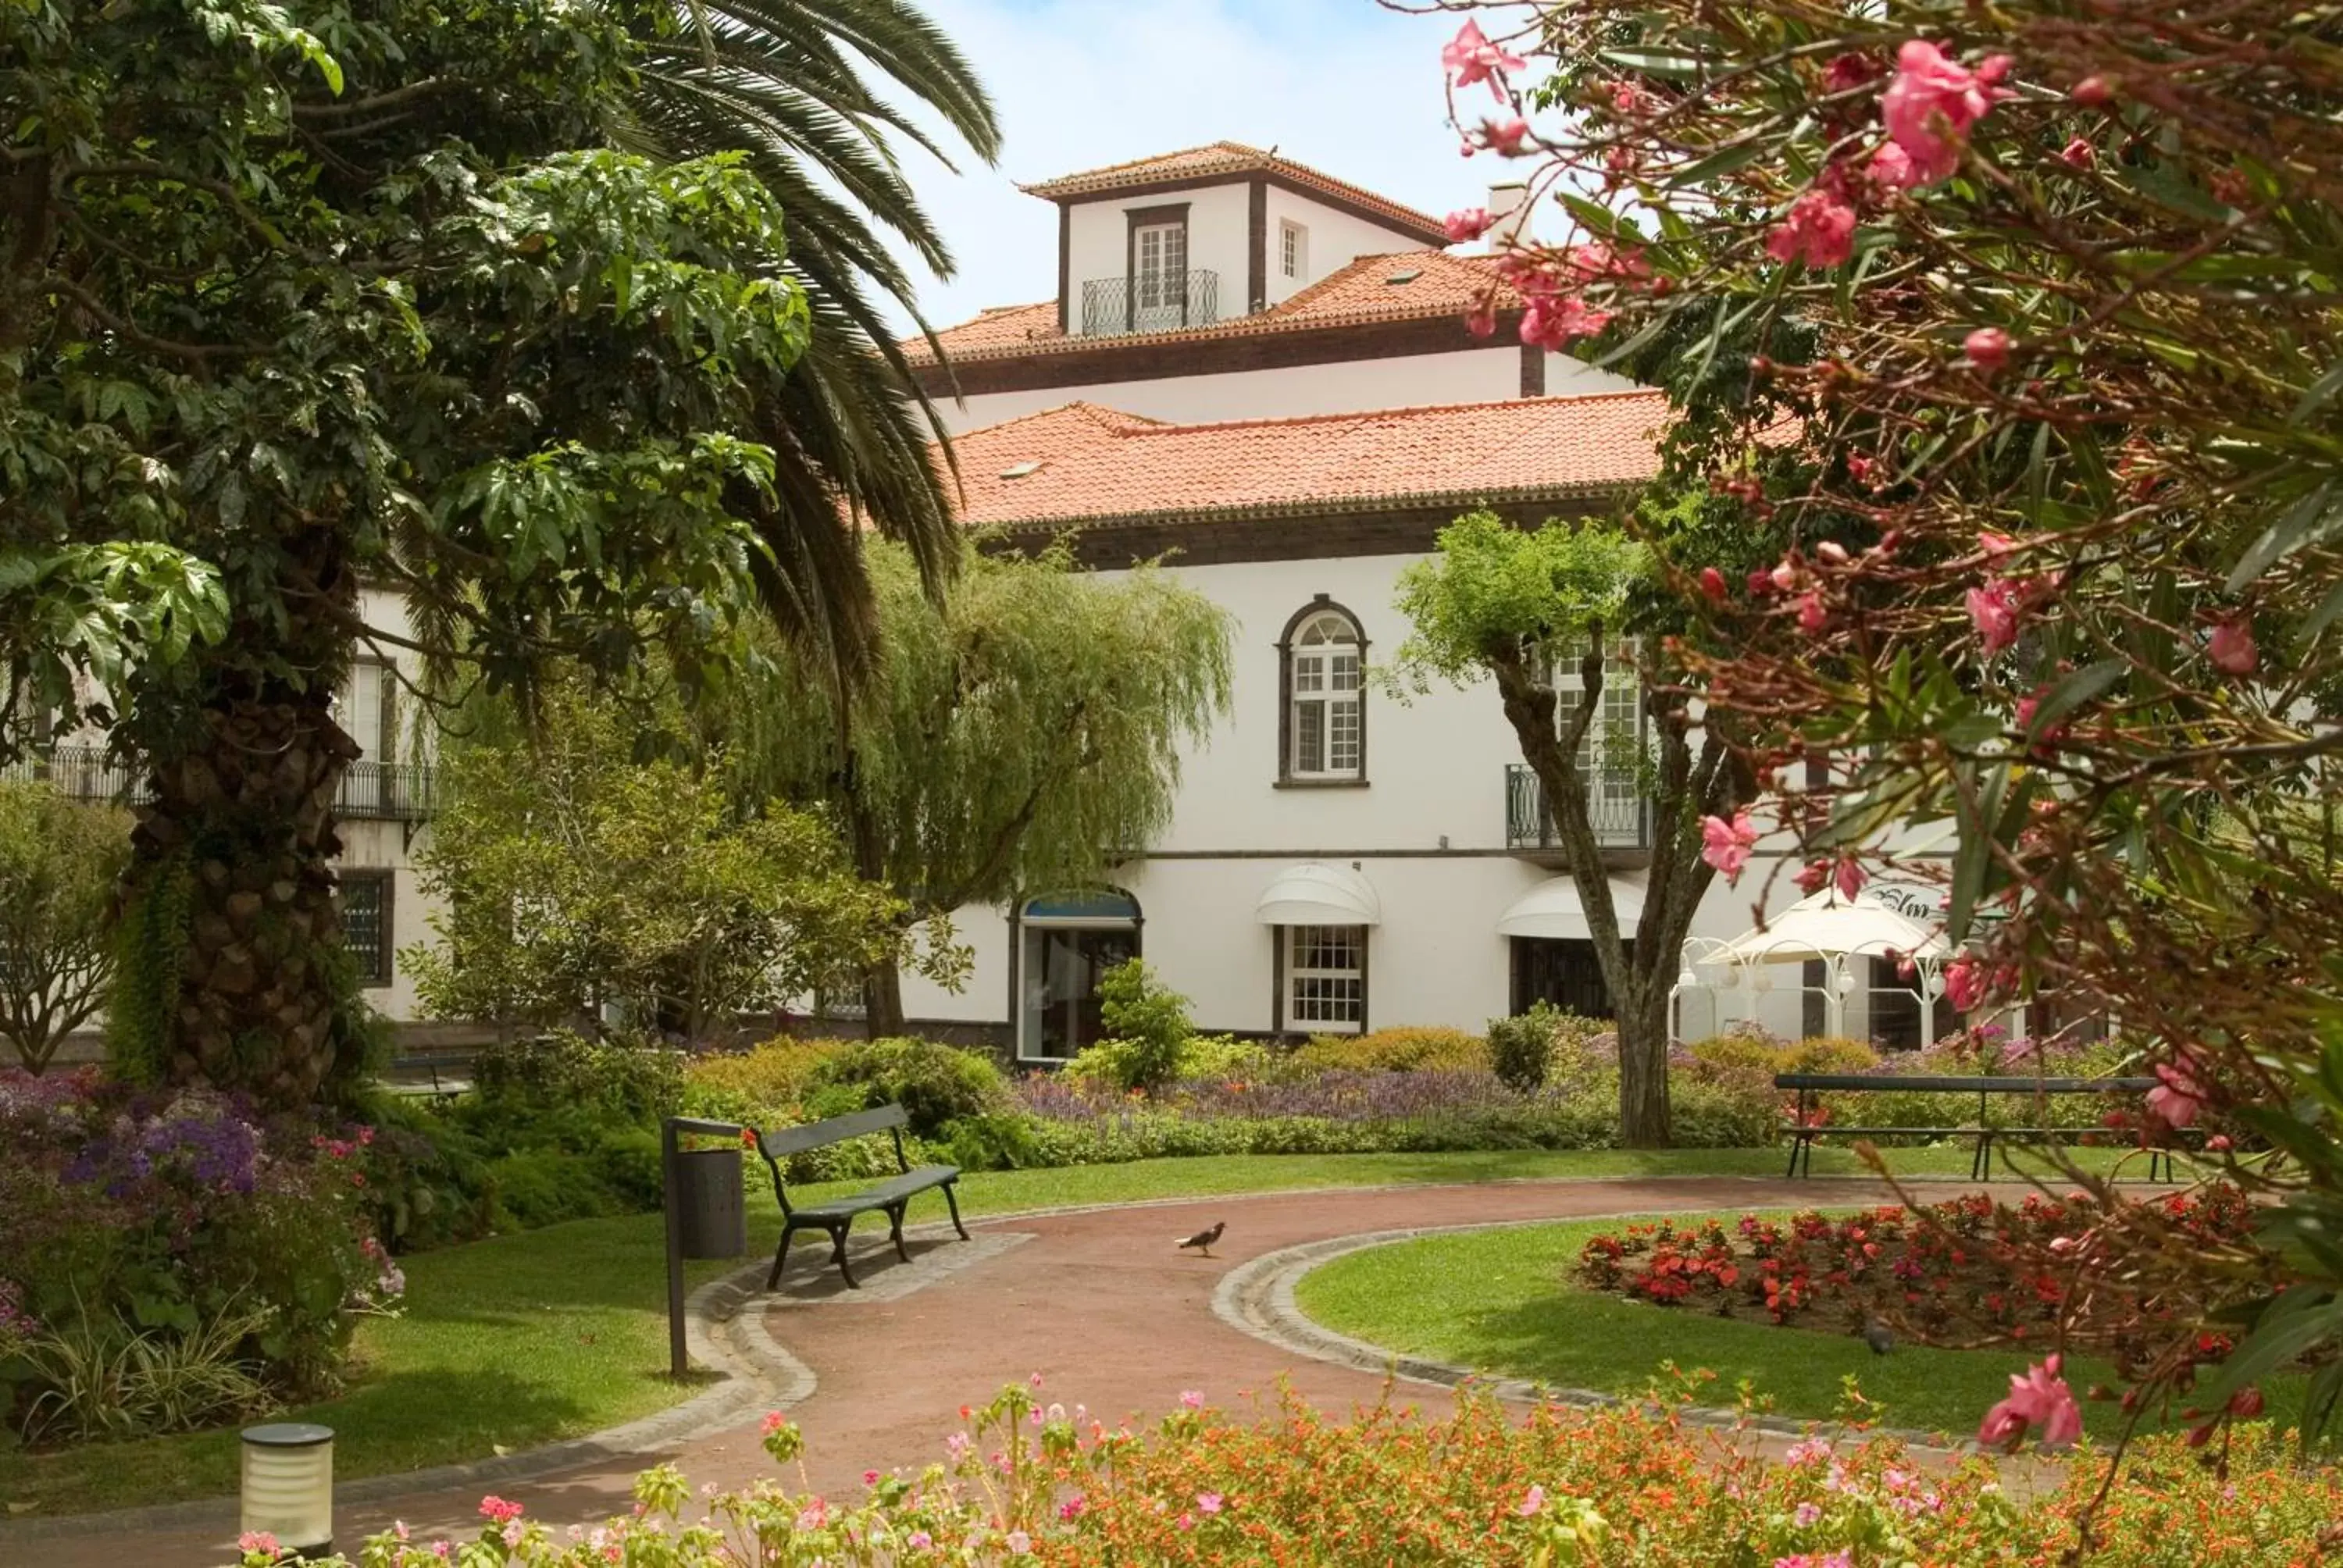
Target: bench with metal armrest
[{"x": 835, "y": 1214}]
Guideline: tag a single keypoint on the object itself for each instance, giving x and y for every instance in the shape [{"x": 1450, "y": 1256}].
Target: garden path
[{"x": 1097, "y": 1302}]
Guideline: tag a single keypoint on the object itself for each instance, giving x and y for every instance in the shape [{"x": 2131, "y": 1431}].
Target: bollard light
[{"x": 288, "y": 1485}]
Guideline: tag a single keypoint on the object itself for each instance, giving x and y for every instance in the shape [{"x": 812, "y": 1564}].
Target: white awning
[
  {"x": 1318, "y": 895},
  {"x": 1825, "y": 925},
  {"x": 1553, "y": 909}
]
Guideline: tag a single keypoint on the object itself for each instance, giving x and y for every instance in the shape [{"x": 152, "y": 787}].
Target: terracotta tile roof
[
  {"x": 1083, "y": 463},
  {"x": 1230, "y": 158},
  {"x": 1371, "y": 288}
]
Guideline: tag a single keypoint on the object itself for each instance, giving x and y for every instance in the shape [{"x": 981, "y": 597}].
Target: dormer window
[
  {"x": 1156, "y": 288},
  {"x": 1293, "y": 249}
]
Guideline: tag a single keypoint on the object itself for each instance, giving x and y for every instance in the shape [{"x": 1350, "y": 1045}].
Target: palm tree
[{"x": 783, "y": 82}]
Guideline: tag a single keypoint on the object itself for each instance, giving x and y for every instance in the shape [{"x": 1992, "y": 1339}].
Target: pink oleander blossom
[
  {"x": 1818, "y": 231},
  {"x": 1505, "y": 136},
  {"x": 1467, "y": 224},
  {"x": 1849, "y": 876},
  {"x": 1711, "y": 585},
  {"x": 1470, "y": 58},
  {"x": 1933, "y": 101},
  {"x": 2232, "y": 649},
  {"x": 1994, "y": 612},
  {"x": 2178, "y": 1096},
  {"x": 2038, "y": 1398},
  {"x": 1555, "y": 322},
  {"x": 2078, "y": 154},
  {"x": 1986, "y": 348},
  {"x": 1966, "y": 985},
  {"x": 1892, "y": 167},
  {"x": 1727, "y": 845},
  {"x": 1813, "y": 614}
]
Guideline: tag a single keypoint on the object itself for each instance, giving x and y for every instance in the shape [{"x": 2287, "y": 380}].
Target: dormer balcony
[{"x": 1152, "y": 302}]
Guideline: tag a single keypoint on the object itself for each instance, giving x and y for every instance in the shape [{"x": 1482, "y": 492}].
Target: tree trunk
[
  {"x": 882, "y": 1001},
  {"x": 1643, "y": 1025},
  {"x": 239, "y": 841}
]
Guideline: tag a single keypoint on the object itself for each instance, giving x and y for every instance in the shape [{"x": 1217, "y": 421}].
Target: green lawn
[
  {"x": 524, "y": 1340},
  {"x": 1499, "y": 1302}
]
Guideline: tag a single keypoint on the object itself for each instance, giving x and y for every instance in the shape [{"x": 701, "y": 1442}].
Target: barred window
[
  {"x": 365, "y": 904},
  {"x": 1326, "y": 977}
]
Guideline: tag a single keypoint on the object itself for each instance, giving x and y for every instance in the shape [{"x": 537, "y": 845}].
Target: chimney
[{"x": 1509, "y": 205}]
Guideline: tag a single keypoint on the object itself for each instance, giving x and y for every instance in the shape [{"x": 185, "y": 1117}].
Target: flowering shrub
[
  {"x": 157, "y": 1217},
  {"x": 1954, "y": 1268},
  {"x": 1026, "y": 1482},
  {"x": 1403, "y": 1050}
]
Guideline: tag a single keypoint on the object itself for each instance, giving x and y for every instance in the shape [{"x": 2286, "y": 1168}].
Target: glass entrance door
[{"x": 1062, "y": 967}]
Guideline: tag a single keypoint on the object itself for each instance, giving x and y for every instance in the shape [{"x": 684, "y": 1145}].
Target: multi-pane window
[
  {"x": 1159, "y": 266},
  {"x": 365, "y": 903},
  {"x": 369, "y": 711},
  {"x": 1610, "y": 754},
  {"x": 1326, "y": 977},
  {"x": 1293, "y": 249},
  {"x": 1329, "y": 736}
]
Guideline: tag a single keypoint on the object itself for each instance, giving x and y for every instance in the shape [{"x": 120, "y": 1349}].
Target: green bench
[{"x": 834, "y": 1215}]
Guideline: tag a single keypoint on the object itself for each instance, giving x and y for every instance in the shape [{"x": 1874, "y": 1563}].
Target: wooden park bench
[
  {"x": 834, "y": 1215},
  {"x": 1806, "y": 1126}
]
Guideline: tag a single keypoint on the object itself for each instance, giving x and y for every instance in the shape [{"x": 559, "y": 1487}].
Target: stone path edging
[
  {"x": 1258, "y": 1298},
  {"x": 754, "y": 1373}
]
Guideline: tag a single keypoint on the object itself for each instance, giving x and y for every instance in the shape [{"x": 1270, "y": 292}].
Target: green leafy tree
[
  {"x": 1522, "y": 609},
  {"x": 1020, "y": 734},
  {"x": 572, "y": 880},
  {"x": 788, "y": 85},
  {"x": 294, "y": 298},
  {"x": 61, "y": 863}
]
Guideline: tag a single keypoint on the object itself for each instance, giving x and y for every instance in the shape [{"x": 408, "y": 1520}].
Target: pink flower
[
  {"x": 1505, "y": 136},
  {"x": 774, "y": 1420},
  {"x": 1192, "y": 1399},
  {"x": 1531, "y": 1502},
  {"x": 2040, "y": 1398},
  {"x": 259, "y": 1540},
  {"x": 1987, "y": 349},
  {"x": 1019, "y": 1543},
  {"x": 1210, "y": 1501},
  {"x": 1932, "y": 103},
  {"x": 1814, "y": 877},
  {"x": 2178, "y": 1096},
  {"x": 1481, "y": 321},
  {"x": 869, "y": 1478},
  {"x": 2232, "y": 649},
  {"x": 1818, "y": 230},
  {"x": 1727, "y": 845},
  {"x": 1805, "y": 1515},
  {"x": 1813, "y": 614},
  {"x": 1072, "y": 1508},
  {"x": 2218, "y": 1143},
  {"x": 1470, "y": 58},
  {"x": 920, "y": 1540},
  {"x": 1785, "y": 577},
  {"x": 2092, "y": 91},
  {"x": 1812, "y": 1448},
  {"x": 1035, "y": 1381},
  {"x": 2246, "y": 1403},
  {"x": 1993, "y": 609},
  {"x": 1893, "y": 167},
  {"x": 1849, "y": 877},
  {"x": 1965, "y": 983},
  {"x": 1467, "y": 224},
  {"x": 956, "y": 1446},
  {"x": 813, "y": 1516},
  {"x": 1552, "y": 323},
  {"x": 1711, "y": 585},
  {"x": 2078, "y": 154},
  {"x": 496, "y": 1511}
]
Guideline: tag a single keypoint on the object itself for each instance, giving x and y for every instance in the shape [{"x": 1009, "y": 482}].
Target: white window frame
[
  {"x": 1325, "y": 698},
  {"x": 1292, "y": 248},
  {"x": 1608, "y": 753},
  {"x": 1161, "y": 285},
  {"x": 1321, "y": 1009}
]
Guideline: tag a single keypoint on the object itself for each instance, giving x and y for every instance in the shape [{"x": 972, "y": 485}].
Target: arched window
[{"x": 1323, "y": 731}]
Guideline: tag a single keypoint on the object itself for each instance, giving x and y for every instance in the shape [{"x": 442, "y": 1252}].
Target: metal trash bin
[{"x": 711, "y": 1215}]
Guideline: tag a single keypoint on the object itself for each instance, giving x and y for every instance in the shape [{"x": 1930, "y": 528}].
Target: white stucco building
[{"x": 1267, "y": 376}]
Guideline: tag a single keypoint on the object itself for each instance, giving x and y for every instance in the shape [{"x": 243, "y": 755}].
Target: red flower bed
[{"x": 1942, "y": 1267}]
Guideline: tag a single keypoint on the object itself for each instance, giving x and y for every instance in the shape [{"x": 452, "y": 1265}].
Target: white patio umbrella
[{"x": 1829, "y": 928}]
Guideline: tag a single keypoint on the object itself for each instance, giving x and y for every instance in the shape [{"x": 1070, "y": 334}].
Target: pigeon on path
[{"x": 1202, "y": 1240}]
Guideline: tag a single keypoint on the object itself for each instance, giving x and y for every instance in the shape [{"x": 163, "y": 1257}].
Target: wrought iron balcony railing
[
  {"x": 1114, "y": 306},
  {"x": 384, "y": 792},
  {"x": 1622, "y": 816}
]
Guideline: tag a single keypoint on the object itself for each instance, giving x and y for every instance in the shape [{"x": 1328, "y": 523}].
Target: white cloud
[{"x": 1343, "y": 85}]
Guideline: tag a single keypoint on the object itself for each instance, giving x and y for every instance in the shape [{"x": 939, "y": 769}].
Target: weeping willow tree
[{"x": 1021, "y": 733}]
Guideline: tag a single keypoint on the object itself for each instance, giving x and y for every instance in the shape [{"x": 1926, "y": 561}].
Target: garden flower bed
[{"x": 1034, "y": 1481}]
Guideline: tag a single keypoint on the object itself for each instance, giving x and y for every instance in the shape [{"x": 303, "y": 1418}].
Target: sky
[{"x": 1343, "y": 85}]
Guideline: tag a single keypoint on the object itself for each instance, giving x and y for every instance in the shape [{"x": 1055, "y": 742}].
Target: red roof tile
[
  {"x": 1371, "y": 288},
  {"x": 1230, "y": 158},
  {"x": 1083, "y": 463}
]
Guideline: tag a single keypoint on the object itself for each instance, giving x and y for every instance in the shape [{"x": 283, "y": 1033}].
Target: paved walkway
[{"x": 1098, "y": 1303}]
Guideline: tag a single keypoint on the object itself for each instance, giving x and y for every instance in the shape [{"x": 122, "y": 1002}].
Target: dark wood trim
[
  {"x": 1257, "y": 247},
  {"x": 1280, "y": 939},
  {"x": 1319, "y": 604},
  {"x": 1317, "y": 537},
  {"x": 1532, "y": 370},
  {"x": 1140, "y": 218},
  {"x": 1429, "y": 236},
  {"x": 1065, "y": 270},
  {"x": 1209, "y": 352}
]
